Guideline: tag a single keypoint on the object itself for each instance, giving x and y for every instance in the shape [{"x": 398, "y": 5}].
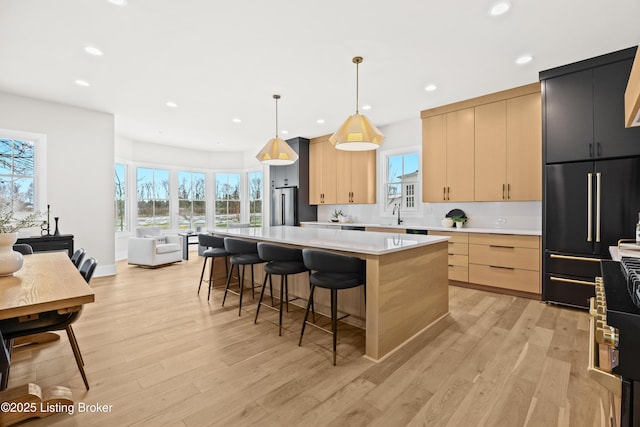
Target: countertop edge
[{"x": 517, "y": 231}]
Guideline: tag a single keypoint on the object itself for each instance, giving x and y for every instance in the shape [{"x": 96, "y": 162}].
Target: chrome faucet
[{"x": 396, "y": 207}]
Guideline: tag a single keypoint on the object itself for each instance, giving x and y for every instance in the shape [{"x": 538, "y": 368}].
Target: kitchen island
[{"x": 407, "y": 285}]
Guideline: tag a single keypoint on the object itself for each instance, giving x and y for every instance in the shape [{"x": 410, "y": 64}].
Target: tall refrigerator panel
[
  {"x": 284, "y": 206},
  {"x": 589, "y": 206}
]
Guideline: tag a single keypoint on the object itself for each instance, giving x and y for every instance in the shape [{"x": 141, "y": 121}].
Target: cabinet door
[
  {"x": 524, "y": 148},
  {"x": 491, "y": 152},
  {"x": 460, "y": 155},
  {"x": 568, "y": 103},
  {"x": 315, "y": 173},
  {"x": 343, "y": 181},
  {"x": 329, "y": 173},
  {"x": 363, "y": 176},
  {"x": 434, "y": 158},
  {"x": 612, "y": 139}
]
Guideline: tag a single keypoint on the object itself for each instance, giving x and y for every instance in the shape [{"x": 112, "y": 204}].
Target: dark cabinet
[{"x": 583, "y": 110}]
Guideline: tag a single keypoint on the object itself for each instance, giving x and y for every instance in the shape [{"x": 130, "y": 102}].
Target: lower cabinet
[
  {"x": 458, "y": 254},
  {"x": 505, "y": 261}
]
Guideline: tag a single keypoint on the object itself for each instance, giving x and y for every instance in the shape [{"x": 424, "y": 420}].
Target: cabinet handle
[
  {"x": 502, "y": 246},
  {"x": 574, "y": 258},
  {"x": 589, "y": 206},
  {"x": 502, "y": 191},
  {"x": 444, "y": 192},
  {"x": 509, "y": 191},
  {"x": 599, "y": 150},
  {"x": 577, "y": 282},
  {"x": 590, "y": 150},
  {"x": 598, "y": 176},
  {"x": 448, "y": 193},
  {"x": 501, "y": 268}
]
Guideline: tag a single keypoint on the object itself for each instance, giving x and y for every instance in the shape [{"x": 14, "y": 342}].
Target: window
[
  {"x": 191, "y": 200},
  {"x": 227, "y": 199},
  {"x": 17, "y": 174},
  {"x": 402, "y": 179},
  {"x": 153, "y": 197},
  {"x": 255, "y": 199},
  {"x": 120, "y": 199}
]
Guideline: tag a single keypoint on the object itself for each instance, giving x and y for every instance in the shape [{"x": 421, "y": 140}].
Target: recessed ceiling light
[
  {"x": 236, "y": 120},
  {"x": 83, "y": 83},
  {"x": 366, "y": 107},
  {"x": 430, "y": 87},
  {"x": 524, "y": 59},
  {"x": 320, "y": 121},
  {"x": 118, "y": 2},
  {"x": 284, "y": 132},
  {"x": 171, "y": 104},
  {"x": 92, "y": 50},
  {"x": 499, "y": 8}
]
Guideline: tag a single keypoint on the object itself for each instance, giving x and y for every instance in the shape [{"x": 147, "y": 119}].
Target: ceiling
[{"x": 221, "y": 60}]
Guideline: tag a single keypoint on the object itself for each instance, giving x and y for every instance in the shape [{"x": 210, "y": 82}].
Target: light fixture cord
[
  {"x": 276, "y": 117},
  {"x": 357, "y": 64}
]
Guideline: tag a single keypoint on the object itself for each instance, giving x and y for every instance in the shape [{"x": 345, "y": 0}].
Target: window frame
[
  {"x": 191, "y": 226},
  {"x": 170, "y": 225},
  {"x": 383, "y": 158},
  {"x": 241, "y": 189},
  {"x": 250, "y": 200}
]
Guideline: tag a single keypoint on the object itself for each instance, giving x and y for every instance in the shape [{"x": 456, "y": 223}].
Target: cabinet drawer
[
  {"x": 511, "y": 240},
  {"x": 459, "y": 260},
  {"x": 508, "y": 278},
  {"x": 456, "y": 272},
  {"x": 456, "y": 237},
  {"x": 524, "y": 258},
  {"x": 458, "y": 248}
]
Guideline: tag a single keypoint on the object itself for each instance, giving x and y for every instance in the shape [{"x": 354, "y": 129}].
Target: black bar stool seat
[
  {"x": 215, "y": 249},
  {"x": 242, "y": 253},
  {"x": 282, "y": 261},
  {"x": 333, "y": 272}
]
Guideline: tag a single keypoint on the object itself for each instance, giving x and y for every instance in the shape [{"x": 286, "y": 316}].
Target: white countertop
[
  {"x": 372, "y": 243},
  {"x": 521, "y": 231},
  {"x": 618, "y": 253}
]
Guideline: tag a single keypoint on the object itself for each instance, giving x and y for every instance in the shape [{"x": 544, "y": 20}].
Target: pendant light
[
  {"x": 276, "y": 151},
  {"x": 357, "y": 133}
]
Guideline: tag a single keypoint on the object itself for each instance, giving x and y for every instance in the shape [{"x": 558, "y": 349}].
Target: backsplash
[{"x": 519, "y": 215}]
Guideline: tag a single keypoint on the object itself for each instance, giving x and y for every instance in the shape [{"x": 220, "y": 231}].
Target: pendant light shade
[
  {"x": 357, "y": 133},
  {"x": 276, "y": 151}
]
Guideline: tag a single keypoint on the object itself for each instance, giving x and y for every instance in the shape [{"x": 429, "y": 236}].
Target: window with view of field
[
  {"x": 120, "y": 199},
  {"x": 191, "y": 200},
  {"x": 227, "y": 199},
  {"x": 17, "y": 174},
  {"x": 152, "y": 188},
  {"x": 255, "y": 199}
]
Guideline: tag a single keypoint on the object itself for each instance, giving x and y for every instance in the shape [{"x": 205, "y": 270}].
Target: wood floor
[{"x": 160, "y": 354}]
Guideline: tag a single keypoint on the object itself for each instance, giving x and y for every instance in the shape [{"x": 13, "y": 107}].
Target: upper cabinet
[
  {"x": 484, "y": 149},
  {"x": 356, "y": 177},
  {"x": 584, "y": 112},
  {"x": 340, "y": 177},
  {"x": 322, "y": 171}
]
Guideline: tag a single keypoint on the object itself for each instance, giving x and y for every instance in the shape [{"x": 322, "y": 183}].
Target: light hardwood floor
[{"x": 162, "y": 355}]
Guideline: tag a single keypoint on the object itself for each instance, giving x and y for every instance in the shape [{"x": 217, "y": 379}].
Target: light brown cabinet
[
  {"x": 508, "y": 149},
  {"x": 448, "y": 160},
  {"x": 356, "y": 180},
  {"x": 322, "y": 172},
  {"x": 458, "y": 254},
  {"x": 484, "y": 149},
  {"x": 505, "y": 261}
]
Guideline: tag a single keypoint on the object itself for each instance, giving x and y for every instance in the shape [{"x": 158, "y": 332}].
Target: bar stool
[
  {"x": 215, "y": 249},
  {"x": 333, "y": 272},
  {"x": 242, "y": 253},
  {"x": 282, "y": 261}
]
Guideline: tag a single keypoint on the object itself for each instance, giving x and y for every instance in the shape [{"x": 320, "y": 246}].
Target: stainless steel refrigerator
[{"x": 284, "y": 206}]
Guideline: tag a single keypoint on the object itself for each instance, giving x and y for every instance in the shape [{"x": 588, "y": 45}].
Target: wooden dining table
[{"x": 47, "y": 281}]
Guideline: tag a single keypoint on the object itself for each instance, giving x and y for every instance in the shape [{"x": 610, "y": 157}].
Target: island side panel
[{"x": 406, "y": 292}]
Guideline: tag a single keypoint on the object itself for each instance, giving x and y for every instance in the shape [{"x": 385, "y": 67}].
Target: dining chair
[
  {"x": 23, "y": 248},
  {"x": 77, "y": 256}
]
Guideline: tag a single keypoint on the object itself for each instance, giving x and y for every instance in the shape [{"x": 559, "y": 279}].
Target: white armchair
[{"x": 151, "y": 249}]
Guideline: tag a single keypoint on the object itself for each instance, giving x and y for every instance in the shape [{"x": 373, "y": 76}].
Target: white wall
[
  {"x": 408, "y": 133},
  {"x": 79, "y": 181}
]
